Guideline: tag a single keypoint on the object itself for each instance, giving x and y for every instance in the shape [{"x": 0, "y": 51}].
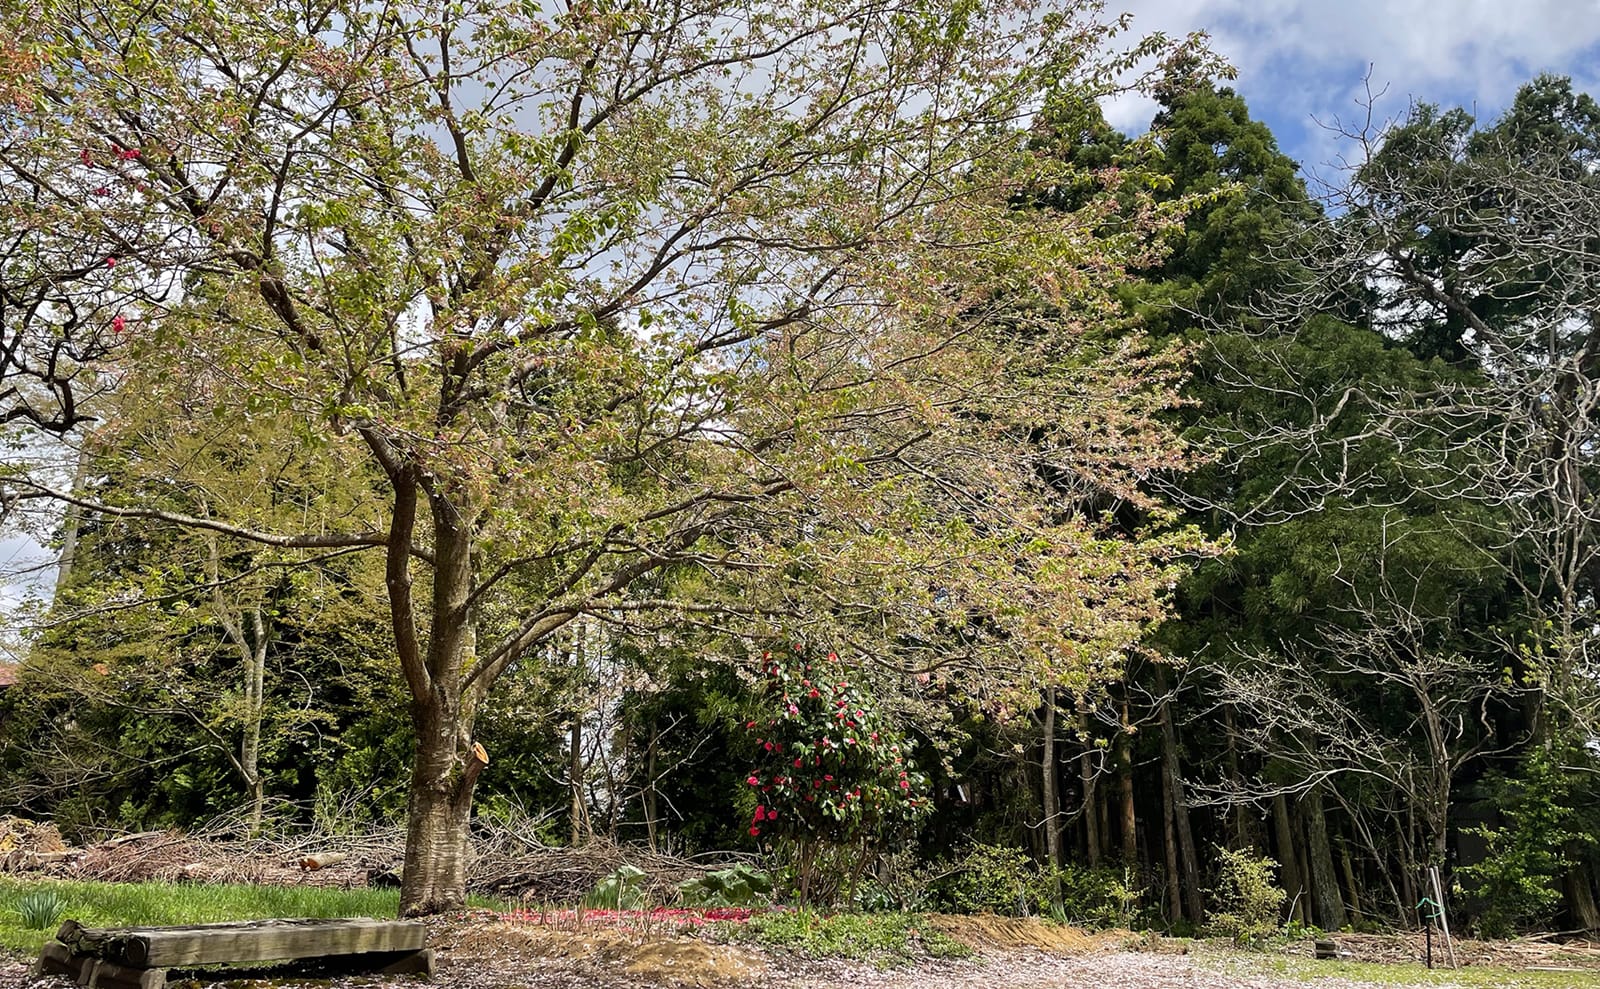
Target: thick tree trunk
[
  {"x": 1180, "y": 804},
  {"x": 1051, "y": 796},
  {"x": 1327, "y": 907},
  {"x": 443, "y": 708},
  {"x": 1288, "y": 858},
  {"x": 1578, "y": 888},
  {"x": 435, "y": 876}
]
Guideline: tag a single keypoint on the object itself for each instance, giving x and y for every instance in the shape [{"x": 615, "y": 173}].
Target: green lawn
[
  {"x": 96, "y": 904},
  {"x": 1310, "y": 971}
]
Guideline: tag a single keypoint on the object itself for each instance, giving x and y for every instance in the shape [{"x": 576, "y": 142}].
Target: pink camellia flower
[
  {"x": 128, "y": 154},
  {"x": 905, "y": 784},
  {"x": 117, "y": 323},
  {"x": 772, "y": 815},
  {"x": 833, "y": 656},
  {"x": 111, "y": 262},
  {"x": 769, "y": 746},
  {"x": 828, "y": 778},
  {"x": 753, "y": 781},
  {"x": 849, "y": 741},
  {"x": 749, "y": 724}
]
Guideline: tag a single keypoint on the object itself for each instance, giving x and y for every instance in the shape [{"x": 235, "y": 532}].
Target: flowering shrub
[{"x": 833, "y": 778}]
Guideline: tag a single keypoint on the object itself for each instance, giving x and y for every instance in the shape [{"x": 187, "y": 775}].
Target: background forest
[{"x": 1257, "y": 554}]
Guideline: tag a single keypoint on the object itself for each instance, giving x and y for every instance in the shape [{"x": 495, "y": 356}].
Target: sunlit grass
[{"x": 96, "y": 904}]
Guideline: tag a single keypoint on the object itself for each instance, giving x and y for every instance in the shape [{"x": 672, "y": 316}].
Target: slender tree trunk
[
  {"x": 1052, "y": 797},
  {"x": 1408, "y": 875},
  {"x": 1327, "y": 907},
  {"x": 1170, "y": 845},
  {"x": 1091, "y": 815},
  {"x": 1180, "y": 804},
  {"x": 1130, "y": 821},
  {"x": 575, "y": 770},
  {"x": 1288, "y": 858},
  {"x": 650, "y": 784},
  {"x": 1350, "y": 880},
  {"x": 255, "y": 709},
  {"x": 1236, "y": 813}
]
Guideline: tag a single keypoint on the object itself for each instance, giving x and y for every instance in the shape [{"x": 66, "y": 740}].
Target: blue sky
[{"x": 1304, "y": 60}]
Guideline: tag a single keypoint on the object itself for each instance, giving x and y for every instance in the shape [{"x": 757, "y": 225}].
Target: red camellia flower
[
  {"x": 111, "y": 262},
  {"x": 128, "y": 154},
  {"x": 102, "y": 191},
  {"x": 755, "y": 830},
  {"x": 761, "y": 813},
  {"x": 85, "y": 157},
  {"x": 753, "y": 781},
  {"x": 117, "y": 323},
  {"x": 797, "y": 763},
  {"x": 749, "y": 724}
]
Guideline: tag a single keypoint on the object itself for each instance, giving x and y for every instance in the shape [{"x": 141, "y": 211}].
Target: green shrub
[
  {"x": 40, "y": 909},
  {"x": 887, "y": 938},
  {"x": 1246, "y": 899},
  {"x": 622, "y": 890},
  {"x": 1096, "y": 897},
  {"x": 995, "y": 879},
  {"x": 1515, "y": 887},
  {"x": 738, "y": 886}
]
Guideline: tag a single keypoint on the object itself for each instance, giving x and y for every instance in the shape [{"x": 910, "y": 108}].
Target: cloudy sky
[{"x": 1304, "y": 60}]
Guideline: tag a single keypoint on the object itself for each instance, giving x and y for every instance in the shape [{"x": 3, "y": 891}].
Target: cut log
[
  {"x": 110, "y": 975},
  {"x": 1327, "y": 949},
  {"x": 56, "y": 959},
  {"x": 321, "y": 860},
  {"x": 241, "y": 942}
]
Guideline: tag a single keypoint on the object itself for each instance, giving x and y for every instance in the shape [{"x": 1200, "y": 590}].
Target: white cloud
[{"x": 1304, "y": 58}]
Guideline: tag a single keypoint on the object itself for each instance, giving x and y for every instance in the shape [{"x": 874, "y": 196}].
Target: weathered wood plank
[
  {"x": 244, "y": 941},
  {"x": 110, "y": 975},
  {"x": 56, "y": 959}
]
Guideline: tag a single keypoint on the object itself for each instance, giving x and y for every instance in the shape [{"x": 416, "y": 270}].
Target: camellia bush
[{"x": 833, "y": 779}]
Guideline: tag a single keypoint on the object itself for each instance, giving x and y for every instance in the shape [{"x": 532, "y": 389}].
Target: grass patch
[
  {"x": 883, "y": 938},
  {"x": 1471, "y": 977},
  {"x": 96, "y": 904}
]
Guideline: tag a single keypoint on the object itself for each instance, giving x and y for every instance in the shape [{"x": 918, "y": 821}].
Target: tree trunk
[
  {"x": 1170, "y": 846},
  {"x": 575, "y": 771},
  {"x": 1180, "y": 804},
  {"x": 1578, "y": 887},
  {"x": 1241, "y": 836},
  {"x": 255, "y": 708},
  {"x": 1327, "y": 907},
  {"x": 1051, "y": 797},
  {"x": 1408, "y": 874},
  {"x": 443, "y": 709},
  {"x": 1350, "y": 880},
  {"x": 1288, "y": 859},
  {"x": 1130, "y": 821},
  {"x": 650, "y": 784},
  {"x": 435, "y": 876},
  {"x": 1091, "y": 799}
]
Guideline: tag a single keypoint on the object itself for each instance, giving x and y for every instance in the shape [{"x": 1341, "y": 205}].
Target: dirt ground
[{"x": 482, "y": 953}]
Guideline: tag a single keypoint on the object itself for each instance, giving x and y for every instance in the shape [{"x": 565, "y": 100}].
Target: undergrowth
[{"x": 884, "y": 938}]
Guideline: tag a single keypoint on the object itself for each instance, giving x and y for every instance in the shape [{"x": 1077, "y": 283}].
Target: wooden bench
[{"x": 139, "y": 957}]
